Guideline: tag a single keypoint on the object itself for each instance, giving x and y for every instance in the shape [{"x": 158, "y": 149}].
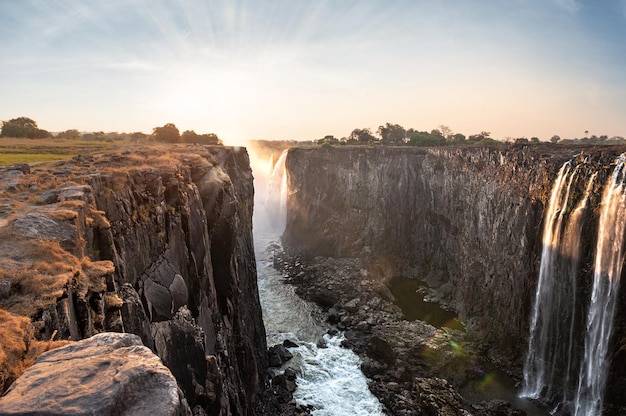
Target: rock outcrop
[
  {"x": 152, "y": 241},
  {"x": 107, "y": 374}
]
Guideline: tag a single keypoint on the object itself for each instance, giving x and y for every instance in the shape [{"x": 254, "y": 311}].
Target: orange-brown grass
[
  {"x": 38, "y": 270},
  {"x": 19, "y": 349}
]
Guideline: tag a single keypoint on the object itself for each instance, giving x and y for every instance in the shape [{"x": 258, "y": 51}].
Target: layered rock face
[
  {"x": 162, "y": 248},
  {"x": 468, "y": 221}
]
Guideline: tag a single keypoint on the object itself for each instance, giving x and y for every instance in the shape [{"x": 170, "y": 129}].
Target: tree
[
  {"x": 189, "y": 136},
  {"x": 534, "y": 140},
  {"x": 23, "y": 127},
  {"x": 391, "y": 133},
  {"x": 138, "y": 136},
  {"x": 69, "y": 134},
  {"x": 168, "y": 133},
  {"x": 555, "y": 139},
  {"x": 459, "y": 138},
  {"x": 362, "y": 136},
  {"x": 478, "y": 137},
  {"x": 446, "y": 132},
  {"x": 424, "y": 138},
  {"x": 330, "y": 139}
]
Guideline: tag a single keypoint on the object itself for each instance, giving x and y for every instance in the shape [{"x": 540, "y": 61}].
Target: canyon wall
[
  {"x": 158, "y": 243},
  {"x": 468, "y": 221}
]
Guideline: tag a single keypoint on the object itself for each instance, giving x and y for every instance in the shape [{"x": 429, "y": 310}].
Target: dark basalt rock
[{"x": 177, "y": 235}]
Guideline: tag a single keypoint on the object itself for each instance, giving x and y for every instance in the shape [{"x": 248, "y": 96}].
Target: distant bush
[{"x": 23, "y": 127}]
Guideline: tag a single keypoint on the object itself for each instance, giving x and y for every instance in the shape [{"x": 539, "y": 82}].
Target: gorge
[
  {"x": 524, "y": 244},
  {"x": 468, "y": 222}
]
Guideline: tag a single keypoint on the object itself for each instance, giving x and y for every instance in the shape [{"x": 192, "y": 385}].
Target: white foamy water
[{"x": 329, "y": 379}]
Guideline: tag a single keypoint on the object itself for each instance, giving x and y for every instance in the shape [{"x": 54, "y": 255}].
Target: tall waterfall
[
  {"x": 277, "y": 194},
  {"x": 606, "y": 278},
  {"x": 548, "y": 361},
  {"x": 554, "y": 370}
]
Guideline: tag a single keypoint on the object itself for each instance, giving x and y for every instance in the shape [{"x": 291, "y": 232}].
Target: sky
[{"x": 301, "y": 70}]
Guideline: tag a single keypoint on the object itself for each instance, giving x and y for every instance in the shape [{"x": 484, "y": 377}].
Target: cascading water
[
  {"x": 276, "y": 198},
  {"x": 548, "y": 364},
  {"x": 553, "y": 370},
  {"x": 606, "y": 278},
  {"x": 329, "y": 377}
]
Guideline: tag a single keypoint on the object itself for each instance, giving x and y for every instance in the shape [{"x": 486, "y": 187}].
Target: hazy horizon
[{"x": 300, "y": 70}]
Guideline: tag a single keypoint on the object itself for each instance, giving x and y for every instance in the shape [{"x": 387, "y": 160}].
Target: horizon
[{"x": 279, "y": 70}]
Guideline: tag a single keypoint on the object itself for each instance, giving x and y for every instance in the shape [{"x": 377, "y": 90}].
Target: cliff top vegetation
[
  {"x": 22, "y": 141},
  {"x": 397, "y": 135}
]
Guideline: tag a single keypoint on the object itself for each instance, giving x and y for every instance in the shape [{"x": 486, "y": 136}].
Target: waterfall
[
  {"x": 548, "y": 361},
  {"x": 329, "y": 378},
  {"x": 276, "y": 199},
  {"x": 606, "y": 278},
  {"x": 553, "y": 369}
]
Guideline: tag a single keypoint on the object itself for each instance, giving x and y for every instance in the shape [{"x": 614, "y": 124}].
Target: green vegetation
[
  {"x": 396, "y": 135},
  {"x": 13, "y": 158},
  {"x": 23, "y": 127},
  {"x": 169, "y": 133},
  {"x": 24, "y": 150},
  {"x": 21, "y": 141}
]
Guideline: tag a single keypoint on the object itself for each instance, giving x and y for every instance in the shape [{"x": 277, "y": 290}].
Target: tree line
[
  {"x": 396, "y": 135},
  {"x": 25, "y": 127}
]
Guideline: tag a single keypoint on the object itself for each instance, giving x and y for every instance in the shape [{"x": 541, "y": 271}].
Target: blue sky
[{"x": 293, "y": 69}]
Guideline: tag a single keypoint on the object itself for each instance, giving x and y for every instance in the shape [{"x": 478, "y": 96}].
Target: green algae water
[{"x": 409, "y": 297}]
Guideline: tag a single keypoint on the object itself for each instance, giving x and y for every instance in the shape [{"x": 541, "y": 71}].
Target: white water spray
[
  {"x": 276, "y": 197},
  {"x": 606, "y": 278},
  {"x": 330, "y": 378},
  {"x": 555, "y": 296}
]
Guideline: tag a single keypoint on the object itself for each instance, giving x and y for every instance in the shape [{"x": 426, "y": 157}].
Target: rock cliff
[
  {"x": 155, "y": 242},
  {"x": 468, "y": 221}
]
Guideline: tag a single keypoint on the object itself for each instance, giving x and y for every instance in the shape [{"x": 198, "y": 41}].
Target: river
[{"x": 329, "y": 377}]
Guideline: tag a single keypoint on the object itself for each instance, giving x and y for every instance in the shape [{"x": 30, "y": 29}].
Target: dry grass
[
  {"x": 38, "y": 270},
  {"x": 19, "y": 349}
]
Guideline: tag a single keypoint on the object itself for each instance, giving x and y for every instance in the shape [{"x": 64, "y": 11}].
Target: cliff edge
[{"x": 155, "y": 242}]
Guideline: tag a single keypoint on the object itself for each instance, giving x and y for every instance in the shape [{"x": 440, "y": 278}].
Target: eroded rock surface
[{"x": 107, "y": 374}]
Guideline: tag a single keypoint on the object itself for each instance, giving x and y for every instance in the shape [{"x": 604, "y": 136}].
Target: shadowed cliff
[
  {"x": 468, "y": 221},
  {"x": 148, "y": 242}
]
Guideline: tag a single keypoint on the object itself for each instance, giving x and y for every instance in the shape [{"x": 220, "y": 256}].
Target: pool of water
[{"x": 409, "y": 297}]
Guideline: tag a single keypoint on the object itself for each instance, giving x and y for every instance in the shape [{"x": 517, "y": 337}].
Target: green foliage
[
  {"x": 328, "y": 140},
  {"x": 23, "y": 127},
  {"x": 476, "y": 138},
  {"x": 168, "y": 133},
  {"x": 391, "y": 133},
  {"x": 190, "y": 136},
  {"x": 424, "y": 138},
  {"x": 488, "y": 141},
  {"x": 362, "y": 136},
  {"x": 458, "y": 138},
  {"x": 69, "y": 134},
  {"x": 138, "y": 136},
  {"x": 7, "y": 159}
]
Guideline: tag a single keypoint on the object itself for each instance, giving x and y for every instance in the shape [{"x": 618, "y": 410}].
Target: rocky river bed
[{"x": 413, "y": 367}]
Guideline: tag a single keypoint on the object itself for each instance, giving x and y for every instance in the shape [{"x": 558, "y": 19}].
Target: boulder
[{"x": 107, "y": 374}]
